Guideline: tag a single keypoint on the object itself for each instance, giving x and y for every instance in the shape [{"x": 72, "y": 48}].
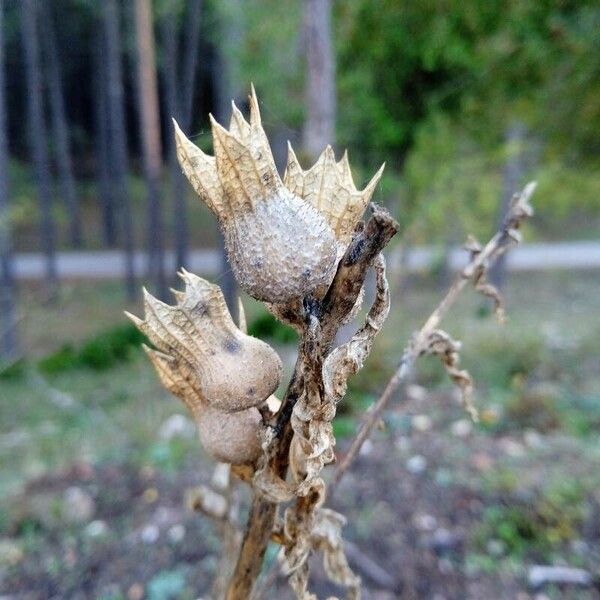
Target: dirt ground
[{"x": 410, "y": 505}]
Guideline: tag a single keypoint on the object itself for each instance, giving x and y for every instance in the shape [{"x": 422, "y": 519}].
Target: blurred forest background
[{"x": 465, "y": 102}]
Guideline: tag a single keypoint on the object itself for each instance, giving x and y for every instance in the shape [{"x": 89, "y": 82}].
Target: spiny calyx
[
  {"x": 283, "y": 238},
  {"x": 219, "y": 372}
]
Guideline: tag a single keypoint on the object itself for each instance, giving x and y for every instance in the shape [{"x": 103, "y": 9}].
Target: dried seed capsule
[
  {"x": 283, "y": 238},
  {"x": 233, "y": 438},
  {"x": 279, "y": 246},
  {"x": 202, "y": 356}
]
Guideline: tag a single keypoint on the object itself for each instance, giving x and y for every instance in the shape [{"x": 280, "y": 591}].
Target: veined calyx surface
[
  {"x": 283, "y": 237},
  {"x": 220, "y": 373}
]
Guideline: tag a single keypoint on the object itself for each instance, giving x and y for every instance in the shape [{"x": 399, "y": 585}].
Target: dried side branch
[
  {"x": 219, "y": 502},
  {"x": 352, "y": 270},
  {"x": 475, "y": 272}
]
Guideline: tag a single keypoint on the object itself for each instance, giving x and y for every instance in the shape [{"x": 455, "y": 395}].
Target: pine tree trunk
[
  {"x": 179, "y": 92},
  {"x": 102, "y": 150},
  {"x": 150, "y": 135},
  {"x": 227, "y": 88},
  {"x": 8, "y": 332},
  {"x": 189, "y": 61},
  {"x": 38, "y": 139},
  {"x": 117, "y": 137},
  {"x": 172, "y": 104},
  {"x": 59, "y": 125},
  {"x": 319, "y": 128}
]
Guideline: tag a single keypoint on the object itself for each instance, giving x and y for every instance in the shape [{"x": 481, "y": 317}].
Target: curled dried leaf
[
  {"x": 321, "y": 534},
  {"x": 439, "y": 343},
  {"x": 349, "y": 358}
]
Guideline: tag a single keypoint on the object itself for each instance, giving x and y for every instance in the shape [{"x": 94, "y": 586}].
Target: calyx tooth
[
  {"x": 238, "y": 125},
  {"x": 201, "y": 171}
]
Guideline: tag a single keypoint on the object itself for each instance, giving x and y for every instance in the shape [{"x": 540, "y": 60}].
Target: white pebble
[
  {"x": 176, "y": 533},
  {"x": 416, "y": 464},
  {"x": 150, "y": 534},
  {"x": 421, "y": 422},
  {"x": 366, "y": 448},
  {"x": 495, "y": 547},
  {"x": 416, "y": 392},
  {"x": 177, "y": 426},
  {"x": 425, "y": 522},
  {"x": 96, "y": 528},
  {"x": 462, "y": 428}
]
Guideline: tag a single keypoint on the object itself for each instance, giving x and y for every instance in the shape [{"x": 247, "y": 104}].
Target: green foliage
[
  {"x": 500, "y": 481},
  {"x": 101, "y": 352},
  {"x": 498, "y": 359},
  {"x": 266, "y": 52},
  {"x": 534, "y": 409},
  {"x": 550, "y": 519},
  {"x": 344, "y": 426},
  {"x": 12, "y": 370},
  {"x": 63, "y": 359},
  {"x": 267, "y": 327},
  {"x": 434, "y": 88},
  {"x": 110, "y": 347},
  {"x": 169, "y": 456}
]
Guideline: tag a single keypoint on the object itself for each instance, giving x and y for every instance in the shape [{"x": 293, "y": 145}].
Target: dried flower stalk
[{"x": 298, "y": 244}]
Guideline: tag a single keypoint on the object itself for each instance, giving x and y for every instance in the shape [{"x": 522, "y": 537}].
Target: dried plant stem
[
  {"x": 231, "y": 536},
  {"x": 261, "y": 517},
  {"x": 331, "y": 312},
  {"x": 474, "y": 272}
]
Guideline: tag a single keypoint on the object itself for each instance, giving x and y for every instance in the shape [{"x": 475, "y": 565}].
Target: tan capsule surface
[
  {"x": 233, "y": 438},
  {"x": 283, "y": 249}
]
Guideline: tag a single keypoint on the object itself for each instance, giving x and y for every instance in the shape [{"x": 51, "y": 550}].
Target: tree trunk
[
  {"x": 117, "y": 137},
  {"x": 8, "y": 332},
  {"x": 319, "y": 128},
  {"x": 150, "y": 135},
  {"x": 179, "y": 93},
  {"x": 38, "y": 139},
  {"x": 189, "y": 62},
  {"x": 102, "y": 149},
  {"x": 178, "y": 190},
  {"x": 513, "y": 174},
  {"x": 227, "y": 88},
  {"x": 59, "y": 125}
]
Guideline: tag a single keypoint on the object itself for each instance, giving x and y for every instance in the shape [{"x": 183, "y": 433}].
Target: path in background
[{"x": 110, "y": 264}]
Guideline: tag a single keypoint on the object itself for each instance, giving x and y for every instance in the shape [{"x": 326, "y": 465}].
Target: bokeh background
[{"x": 465, "y": 102}]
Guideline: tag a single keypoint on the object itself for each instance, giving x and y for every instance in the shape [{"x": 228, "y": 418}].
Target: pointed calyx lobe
[
  {"x": 201, "y": 356},
  {"x": 283, "y": 237}
]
